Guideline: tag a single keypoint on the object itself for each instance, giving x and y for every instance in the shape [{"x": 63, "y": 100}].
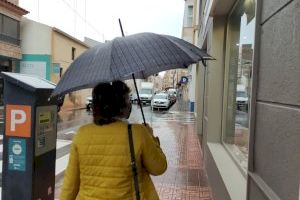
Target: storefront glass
[{"x": 240, "y": 42}]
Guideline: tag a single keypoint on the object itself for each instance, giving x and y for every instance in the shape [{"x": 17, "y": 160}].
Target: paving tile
[{"x": 185, "y": 164}]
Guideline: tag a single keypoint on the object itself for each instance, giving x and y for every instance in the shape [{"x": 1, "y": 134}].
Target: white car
[
  {"x": 133, "y": 98},
  {"x": 161, "y": 100},
  {"x": 242, "y": 100}
]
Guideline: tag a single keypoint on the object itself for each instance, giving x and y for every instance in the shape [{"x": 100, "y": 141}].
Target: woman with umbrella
[
  {"x": 104, "y": 162},
  {"x": 100, "y": 171}
]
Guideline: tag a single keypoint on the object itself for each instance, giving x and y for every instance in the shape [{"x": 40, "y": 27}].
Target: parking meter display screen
[{"x": 45, "y": 132}]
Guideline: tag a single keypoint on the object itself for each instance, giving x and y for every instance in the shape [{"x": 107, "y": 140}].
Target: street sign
[
  {"x": 18, "y": 120},
  {"x": 184, "y": 80}
]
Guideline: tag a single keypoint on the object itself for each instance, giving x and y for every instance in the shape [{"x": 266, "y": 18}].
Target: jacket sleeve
[
  {"x": 71, "y": 177},
  {"x": 153, "y": 158}
]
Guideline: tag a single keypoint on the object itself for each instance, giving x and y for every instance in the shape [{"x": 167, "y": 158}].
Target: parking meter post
[{"x": 29, "y": 142}]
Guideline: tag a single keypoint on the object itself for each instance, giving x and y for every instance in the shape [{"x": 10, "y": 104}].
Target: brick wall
[{"x": 9, "y": 50}]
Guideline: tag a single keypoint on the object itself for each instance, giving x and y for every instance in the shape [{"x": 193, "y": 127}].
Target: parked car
[
  {"x": 173, "y": 93},
  {"x": 146, "y": 92},
  {"x": 88, "y": 103},
  {"x": 160, "y": 100},
  {"x": 133, "y": 98},
  {"x": 242, "y": 100}
]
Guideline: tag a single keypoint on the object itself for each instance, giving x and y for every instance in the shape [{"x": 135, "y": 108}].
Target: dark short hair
[{"x": 108, "y": 101}]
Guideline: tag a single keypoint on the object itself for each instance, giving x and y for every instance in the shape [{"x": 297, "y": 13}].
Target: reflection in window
[{"x": 241, "y": 29}]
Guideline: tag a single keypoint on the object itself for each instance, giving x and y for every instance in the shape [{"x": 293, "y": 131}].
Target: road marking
[
  {"x": 70, "y": 132},
  {"x": 62, "y": 143},
  {"x": 61, "y": 164}
]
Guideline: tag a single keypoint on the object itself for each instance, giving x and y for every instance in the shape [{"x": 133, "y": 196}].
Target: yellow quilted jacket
[{"x": 99, "y": 164}]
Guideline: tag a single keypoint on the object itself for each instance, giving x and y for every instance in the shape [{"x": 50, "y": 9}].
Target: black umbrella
[{"x": 135, "y": 56}]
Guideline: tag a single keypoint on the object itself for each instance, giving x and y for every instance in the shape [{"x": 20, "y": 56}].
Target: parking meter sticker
[
  {"x": 44, "y": 117},
  {"x": 17, "y": 154},
  {"x": 18, "y": 120},
  {"x": 41, "y": 142}
]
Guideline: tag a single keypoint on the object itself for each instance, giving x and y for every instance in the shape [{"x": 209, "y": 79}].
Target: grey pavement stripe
[{"x": 63, "y": 151}]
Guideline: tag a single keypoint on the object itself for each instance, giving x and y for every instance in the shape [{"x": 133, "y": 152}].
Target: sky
[{"x": 98, "y": 19}]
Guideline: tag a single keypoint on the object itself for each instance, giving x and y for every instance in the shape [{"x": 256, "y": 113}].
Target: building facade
[
  {"x": 248, "y": 99},
  {"x": 188, "y": 34},
  {"x": 157, "y": 82},
  {"x": 10, "y": 50},
  {"x": 47, "y": 52}
]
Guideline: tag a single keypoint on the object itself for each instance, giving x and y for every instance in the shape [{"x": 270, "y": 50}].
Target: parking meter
[{"x": 29, "y": 143}]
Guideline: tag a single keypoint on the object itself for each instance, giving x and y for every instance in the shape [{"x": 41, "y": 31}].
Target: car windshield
[
  {"x": 145, "y": 91},
  {"x": 241, "y": 94},
  {"x": 160, "y": 96}
]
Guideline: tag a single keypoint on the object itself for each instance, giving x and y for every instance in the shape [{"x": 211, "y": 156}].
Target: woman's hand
[
  {"x": 151, "y": 132},
  {"x": 149, "y": 128}
]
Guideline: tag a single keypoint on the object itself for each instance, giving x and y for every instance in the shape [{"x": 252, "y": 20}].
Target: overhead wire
[{"x": 83, "y": 18}]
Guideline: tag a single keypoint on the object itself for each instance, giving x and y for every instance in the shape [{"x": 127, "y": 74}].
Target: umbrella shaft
[
  {"x": 139, "y": 100},
  {"x": 121, "y": 27}
]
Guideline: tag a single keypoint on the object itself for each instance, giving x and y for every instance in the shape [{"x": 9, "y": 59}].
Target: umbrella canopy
[{"x": 142, "y": 54}]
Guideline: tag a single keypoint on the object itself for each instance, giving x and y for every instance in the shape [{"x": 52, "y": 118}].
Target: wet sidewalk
[{"x": 185, "y": 178}]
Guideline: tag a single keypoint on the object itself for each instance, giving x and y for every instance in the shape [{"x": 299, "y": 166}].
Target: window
[
  {"x": 189, "y": 21},
  {"x": 10, "y": 27},
  {"x": 9, "y": 30},
  {"x": 240, "y": 42},
  {"x": 73, "y": 53}
]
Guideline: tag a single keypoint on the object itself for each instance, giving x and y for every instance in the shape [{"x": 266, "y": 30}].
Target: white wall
[
  {"x": 192, "y": 83},
  {"x": 35, "y": 37}
]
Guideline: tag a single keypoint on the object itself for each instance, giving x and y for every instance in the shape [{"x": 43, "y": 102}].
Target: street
[{"x": 185, "y": 177}]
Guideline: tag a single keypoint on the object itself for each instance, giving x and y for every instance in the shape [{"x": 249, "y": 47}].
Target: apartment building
[
  {"x": 247, "y": 101},
  {"x": 10, "y": 50},
  {"x": 47, "y": 52},
  {"x": 188, "y": 34}
]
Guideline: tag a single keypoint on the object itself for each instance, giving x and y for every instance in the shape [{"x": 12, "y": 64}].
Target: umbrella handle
[{"x": 139, "y": 100}]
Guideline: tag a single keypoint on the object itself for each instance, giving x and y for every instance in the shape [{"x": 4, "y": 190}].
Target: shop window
[{"x": 240, "y": 42}]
